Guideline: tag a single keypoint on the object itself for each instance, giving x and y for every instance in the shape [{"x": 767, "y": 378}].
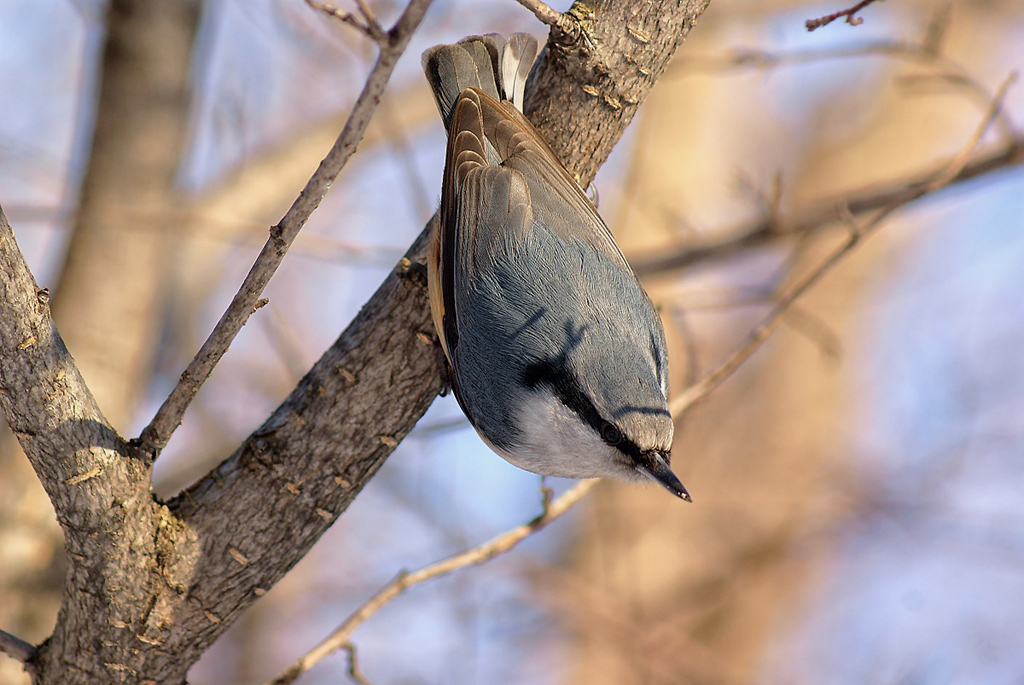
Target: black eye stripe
[{"x": 568, "y": 390}]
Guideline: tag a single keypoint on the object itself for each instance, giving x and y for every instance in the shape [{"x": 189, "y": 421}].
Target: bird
[{"x": 554, "y": 351}]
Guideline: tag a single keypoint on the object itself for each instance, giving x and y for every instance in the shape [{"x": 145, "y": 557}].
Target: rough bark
[
  {"x": 591, "y": 81},
  {"x": 100, "y": 496},
  {"x": 150, "y": 585},
  {"x": 108, "y": 299}
]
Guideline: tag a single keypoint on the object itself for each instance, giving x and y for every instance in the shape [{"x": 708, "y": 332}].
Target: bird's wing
[
  {"x": 479, "y": 202},
  {"x": 484, "y": 205},
  {"x": 557, "y": 201}
]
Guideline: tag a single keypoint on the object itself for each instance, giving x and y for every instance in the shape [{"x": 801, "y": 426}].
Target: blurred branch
[
  {"x": 812, "y": 327},
  {"x": 850, "y": 14},
  {"x": 927, "y": 51},
  {"x": 16, "y": 648},
  {"x": 950, "y": 171},
  {"x": 392, "y": 45},
  {"x": 824, "y": 214},
  {"x": 506, "y": 541},
  {"x": 742, "y": 58}
]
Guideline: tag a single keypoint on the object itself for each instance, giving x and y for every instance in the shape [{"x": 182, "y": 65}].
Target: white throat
[{"x": 554, "y": 441}]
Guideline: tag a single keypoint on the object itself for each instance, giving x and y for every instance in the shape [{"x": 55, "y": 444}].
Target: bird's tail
[{"x": 489, "y": 63}]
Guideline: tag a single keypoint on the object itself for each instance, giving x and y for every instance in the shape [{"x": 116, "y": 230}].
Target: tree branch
[
  {"x": 99, "y": 493},
  {"x": 339, "y": 638},
  {"x": 16, "y": 648},
  {"x": 952, "y": 169},
  {"x": 593, "y": 78},
  {"x": 772, "y": 229},
  {"x": 392, "y": 45}
]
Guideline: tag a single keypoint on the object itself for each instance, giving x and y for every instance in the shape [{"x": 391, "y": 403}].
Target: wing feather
[
  {"x": 558, "y": 201},
  {"x": 501, "y": 180}
]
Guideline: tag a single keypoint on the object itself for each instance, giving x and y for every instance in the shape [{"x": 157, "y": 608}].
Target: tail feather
[
  {"x": 516, "y": 62},
  {"x": 486, "y": 62}
]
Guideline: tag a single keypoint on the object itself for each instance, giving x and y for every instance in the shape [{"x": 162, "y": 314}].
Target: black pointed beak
[{"x": 660, "y": 473}]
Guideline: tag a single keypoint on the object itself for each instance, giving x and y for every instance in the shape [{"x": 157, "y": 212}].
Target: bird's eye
[{"x": 611, "y": 434}]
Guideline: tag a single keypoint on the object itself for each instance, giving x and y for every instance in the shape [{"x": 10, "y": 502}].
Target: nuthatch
[{"x": 556, "y": 353}]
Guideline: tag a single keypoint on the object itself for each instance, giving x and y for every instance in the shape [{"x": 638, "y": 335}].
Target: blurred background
[{"x": 857, "y": 513}]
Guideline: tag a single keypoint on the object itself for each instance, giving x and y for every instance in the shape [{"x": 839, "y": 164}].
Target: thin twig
[
  {"x": 354, "y": 671},
  {"x": 478, "y": 555},
  {"x": 167, "y": 419},
  {"x": 849, "y": 13},
  {"x": 368, "y": 24},
  {"x": 544, "y": 13},
  {"x": 763, "y": 330},
  {"x": 16, "y": 648},
  {"x": 964, "y": 156},
  {"x": 559, "y": 22}
]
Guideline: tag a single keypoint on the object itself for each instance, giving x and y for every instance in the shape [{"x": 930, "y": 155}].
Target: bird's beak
[{"x": 660, "y": 473}]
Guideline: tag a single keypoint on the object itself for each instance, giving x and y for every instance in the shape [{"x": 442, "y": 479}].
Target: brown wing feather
[
  {"x": 558, "y": 201},
  {"x": 479, "y": 200},
  {"x": 466, "y": 152}
]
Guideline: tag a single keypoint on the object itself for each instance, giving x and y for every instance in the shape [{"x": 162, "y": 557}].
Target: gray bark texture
[{"x": 150, "y": 584}]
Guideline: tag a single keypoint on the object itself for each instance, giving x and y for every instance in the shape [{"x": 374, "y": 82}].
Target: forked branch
[{"x": 392, "y": 45}]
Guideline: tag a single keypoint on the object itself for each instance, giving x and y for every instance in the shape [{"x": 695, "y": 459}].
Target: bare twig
[
  {"x": 763, "y": 330},
  {"x": 545, "y": 14},
  {"x": 963, "y": 157},
  {"x": 368, "y": 24},
  {"x": 15, "y": 647},
  {"x": 353, "y": 665},
  {"x": 392, "y": 45},
  {"x": 478, "y": 555},
  {"x": 849, "y": 13}
]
